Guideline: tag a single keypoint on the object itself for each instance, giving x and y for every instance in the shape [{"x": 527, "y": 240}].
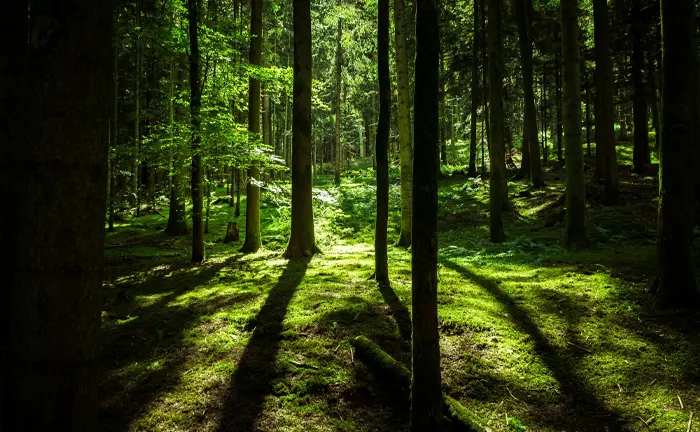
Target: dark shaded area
[
  {"x": 155, "y": 332},
  {"x": 583, "y": 410},
  {"x": 398, "y": 311},
  {"x": 256, "y": 371}
]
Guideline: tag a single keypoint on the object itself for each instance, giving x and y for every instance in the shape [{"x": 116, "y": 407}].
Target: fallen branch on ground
[{"x": 381, "y": 362}]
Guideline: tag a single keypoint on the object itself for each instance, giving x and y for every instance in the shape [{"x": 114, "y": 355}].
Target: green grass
[{"x": 533, "y": 337}]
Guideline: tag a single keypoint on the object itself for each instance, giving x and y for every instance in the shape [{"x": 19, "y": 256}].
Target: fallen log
[{"x": 386, "y": 366}]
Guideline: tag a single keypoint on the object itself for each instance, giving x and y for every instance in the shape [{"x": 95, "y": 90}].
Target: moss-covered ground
[{"x": 533, "y": 337}]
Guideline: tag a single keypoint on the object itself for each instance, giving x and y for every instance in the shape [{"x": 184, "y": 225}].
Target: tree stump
[{"x": 231, "y": 232}]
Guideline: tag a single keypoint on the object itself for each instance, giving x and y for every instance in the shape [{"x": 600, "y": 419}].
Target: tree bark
[
  {"x": 575, "y": 233},
  {"x": 195, "y": 109},
  {"x": 404, "y": 120},
  {"x": 606, "y": 153},
  {"x": 302, "y": 242},
  {"x": 380, "y": 236},
  {"x": 558, "y": 94},
  {"x": 55, "y": 83},
  {"x": 426, "y": 388},
  {"x": 640, "y": 155},
  {"x": 531, "y": 146},
  {"x": 497, "y": 179},
  {"x": 252, "y": 240},
  {"x": 676, "y": 286},
  {"x": 136, "y": 179},
  {"x": 475, "y": 93},
  {"x": 338, "y": 85}
]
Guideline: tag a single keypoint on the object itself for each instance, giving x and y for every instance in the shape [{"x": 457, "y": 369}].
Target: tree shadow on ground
[
  {"x": 152, "y": 332},
  {"x": 582, "y": 409},
  {"x": 256, "y": 372},
  {"x": 399, "y": 311}
]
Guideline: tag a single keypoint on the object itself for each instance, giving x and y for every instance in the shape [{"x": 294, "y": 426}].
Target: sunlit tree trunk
[
  {"x": 497, "y": 179},
  {"x": 382, "y": 220},
  {"x": 252, "y": 213},
  {"x": 404, "y": 120},
  {"x": 426, "y": 388},
  {"x": 575, "y": 234},
  {"x": 675, "y": 284},
  {"x": 302, "y": 242},
  {"x": 54, "y": 131}
]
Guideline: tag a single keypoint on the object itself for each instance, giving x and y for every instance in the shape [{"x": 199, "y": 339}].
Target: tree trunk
[
  {"x": 559, "y": 95},
  {"x": 640, "y": 154},
  {"x": 114, "y": 124},
  {"x": 531, "y": 146},
  {"x": 404, "y": 119},
  {"x": 338, "y": 85},
  {"x": 653, "y": 95},
  {"x": 252, "y": 213},
  {"x": 382, "y": 143},
  {"x": 443, "y": 112},
  {"x": 54, "y": 127},
  {"x": 426, "y": 389},
  {"x": 575, "y": 234},
  {"x": 177, "y": 217},
  {"x": 484, "y": 84},
  {"x": 497, "y": 179},
  {"x": 302, "y": 242},
  {"x": 676, "y": 286},
  {"x": 195, "y": 109},
  {"x": 137, "y": 115},
  {"x": 606, "y": 154},
  {"x": 588, "y": 120},
  {"x": 475, "y": 94},
  {"x": 239, "y": 180}
]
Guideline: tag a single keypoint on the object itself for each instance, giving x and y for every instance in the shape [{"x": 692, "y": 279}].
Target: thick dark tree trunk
[
  {"x": 252, "y": 240},
  {"x": 426, "y": 389},
  {"x": 575, "y": 235},
  {"x": 640, "y": 154},
  {"x": 380, "y": 236},
  {"x": 531, "y": 146},
  {"x": 606, "y": 154},
  {"x": 475, "y": 93},
  {"x": 497, "y": 179},
  {"x": 54, "y": 177},
  {"x": 195, "y": 109},
  {"x": 676, "y": 286},
  {"x": 302, "y": 241}
]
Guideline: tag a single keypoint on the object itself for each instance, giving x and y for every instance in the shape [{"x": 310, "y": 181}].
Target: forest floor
[{"x": 533, "y": 337}]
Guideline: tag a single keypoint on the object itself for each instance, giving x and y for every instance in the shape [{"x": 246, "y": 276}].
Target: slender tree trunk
[
  {"x": 53, "y": 163},
  {"x": 114, "y": 126},
  {"x": 497, "y": 179},
  {"x": 641, "y": 129},
  {"x": 177, "y": 217},
  {"x": 588, "y": 120},
  {"x": 338, "y": 85},
  {"x": 606, "y": 154},
  {"x": 195, "y": 108},
  {"x": 426, "y": 388},
  {"x": 404, "y": 120},
  {"x": 475, "y": 93},
  {"x": 252, "y": 214},
  {"x": 380, "y": 237},
  {"x": 239, "y": 180},
  {"x": 653, "y": 95},
  {"x": 484, "y": 83},
  {"x": 559, "y": 95},
  {"x": 575, "y": 234},
  {"x": 302, "y": 241},
  {"x": 137, "y": 116},
  {"x": 676, "y": 286},
  {"x": 531, "y": 146}
]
